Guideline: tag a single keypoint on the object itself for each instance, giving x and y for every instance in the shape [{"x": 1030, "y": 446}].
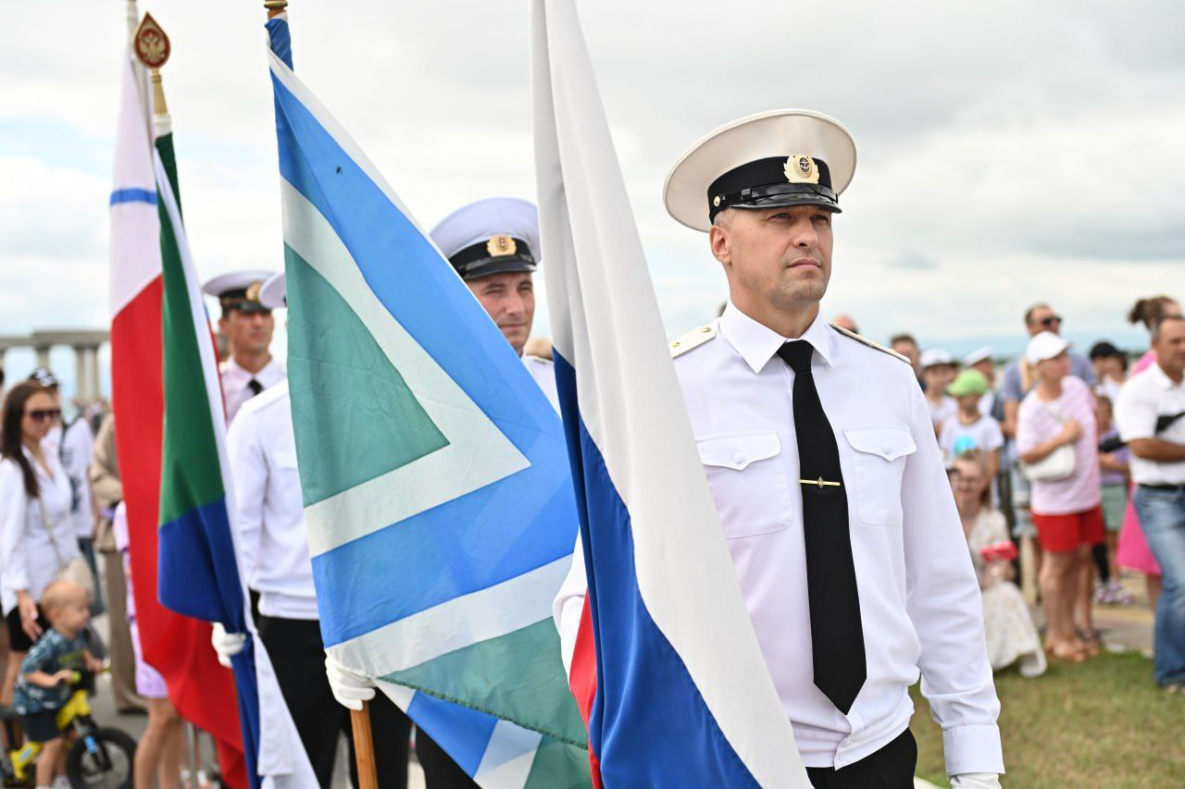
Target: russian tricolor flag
[{"x": 666, "y": 665}]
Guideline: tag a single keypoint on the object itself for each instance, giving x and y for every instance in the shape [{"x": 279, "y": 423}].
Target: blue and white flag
[
  {"x": 437, "y": 493},
  {"x": 678, "y": 693}
]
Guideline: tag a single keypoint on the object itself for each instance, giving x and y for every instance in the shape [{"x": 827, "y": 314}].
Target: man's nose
[{"x": 805, "y": 236}]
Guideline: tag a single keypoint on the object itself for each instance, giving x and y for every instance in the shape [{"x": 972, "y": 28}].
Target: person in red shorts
[{"x": 1057, "y": 440}]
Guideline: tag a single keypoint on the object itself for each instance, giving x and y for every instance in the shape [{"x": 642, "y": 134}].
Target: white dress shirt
[
  {"x": 75, "y": 453},
  {"x": 919, "y": 599},
  {"x": 236, "y": 378},
  {"x": 1145, "y": 397},
  {"x": 543, "y": 371},
  {"x": 272, "y": 535},
  {"x": 29, "y": 560}
]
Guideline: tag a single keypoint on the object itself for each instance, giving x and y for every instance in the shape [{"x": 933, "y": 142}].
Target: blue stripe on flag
[
  {"x": 423, "y": 294},
  {"x": 462, "y": 732},
  {"x": 280, "y": 38},
  {"x": 198, "y": 576},
  {"x": 133, "y": 196},
  {"x": 645, "y": 698}
]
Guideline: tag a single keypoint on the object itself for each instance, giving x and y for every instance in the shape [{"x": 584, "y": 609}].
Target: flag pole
[
  {"x": 359, "y": 719},
  {"x": 152, "y": 48},
  {"x": 364, "y": 747}
]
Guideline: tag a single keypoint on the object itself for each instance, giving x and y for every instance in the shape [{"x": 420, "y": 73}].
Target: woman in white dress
[{"x": 1011, "y": 634}]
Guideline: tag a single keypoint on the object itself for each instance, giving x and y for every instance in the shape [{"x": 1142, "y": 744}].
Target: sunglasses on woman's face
[{"x": 43, "y": 414}]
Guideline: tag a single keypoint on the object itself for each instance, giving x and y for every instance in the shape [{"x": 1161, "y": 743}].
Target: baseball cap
[
  {"x": 1044, "y": 346},
  {"x": 968, "y": 382}
]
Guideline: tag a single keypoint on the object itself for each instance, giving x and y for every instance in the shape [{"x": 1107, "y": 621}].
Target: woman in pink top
[
  {"x": 1133, "y": 552},
  {"x": 1060, "y": 411}
]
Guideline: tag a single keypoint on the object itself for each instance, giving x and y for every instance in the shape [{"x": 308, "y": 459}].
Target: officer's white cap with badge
[
  {"x": 238, "y": 290},
  {"x": 274, "y": 293},
  {"x": 497, "y": 235},
  {"x": 772, "y": 159}
]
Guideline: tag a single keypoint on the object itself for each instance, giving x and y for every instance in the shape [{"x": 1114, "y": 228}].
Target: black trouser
[
  {"x": 298, "y": 656},
  {"x": 440, "y": 771},
  {"x": 891, "y": 767}
]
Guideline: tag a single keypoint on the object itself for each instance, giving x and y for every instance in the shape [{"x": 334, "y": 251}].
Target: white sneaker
[{"x": 61, "y": 782}]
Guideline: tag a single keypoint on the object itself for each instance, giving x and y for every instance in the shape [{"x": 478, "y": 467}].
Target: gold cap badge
[
  {"x": 500, "y": 246},
  {"x": 801, "y": 169},
  {"x": 253, "y": 290},
  {"x": 152, "y": 45}
]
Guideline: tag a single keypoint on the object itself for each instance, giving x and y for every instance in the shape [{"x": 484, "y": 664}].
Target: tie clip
[{"x": 820, "y": 482}]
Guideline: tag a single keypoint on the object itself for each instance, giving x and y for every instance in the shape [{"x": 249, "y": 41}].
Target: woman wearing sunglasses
[{"x": 36, "y": 532}]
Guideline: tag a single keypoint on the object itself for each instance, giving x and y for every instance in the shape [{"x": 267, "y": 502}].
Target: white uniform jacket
[
  {"x": 919, "y": 600},
  {"x": 273, "y": 538}
]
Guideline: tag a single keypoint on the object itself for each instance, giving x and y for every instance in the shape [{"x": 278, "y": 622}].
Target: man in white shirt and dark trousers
[
  {"x": 1151, "y": 418},
  {"x": 274, "y": 553},
  {"x": 823, "y": 463}
]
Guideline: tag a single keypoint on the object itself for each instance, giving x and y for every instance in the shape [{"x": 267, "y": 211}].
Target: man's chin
[{"x": 517, "y": 337}]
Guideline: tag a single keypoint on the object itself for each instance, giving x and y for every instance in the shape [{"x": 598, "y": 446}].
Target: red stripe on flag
[
  {"x": 176, "y": 646},
  {"x": 582, "y": 679}
]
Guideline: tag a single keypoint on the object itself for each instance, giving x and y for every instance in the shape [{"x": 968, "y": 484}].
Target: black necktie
[
  {"x": 836, "y": 632},
  {"x": 255, "y": 387}
]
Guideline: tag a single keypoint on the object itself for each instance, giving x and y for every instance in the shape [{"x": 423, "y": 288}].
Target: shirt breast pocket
[
  {"x": 879, "y": 460},
  {"x": 748, "y": 482}
]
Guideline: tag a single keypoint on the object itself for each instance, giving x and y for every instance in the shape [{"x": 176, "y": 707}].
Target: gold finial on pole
[
  {"x": 152, "y": 49},
  {"x": 275, "y": 7}
]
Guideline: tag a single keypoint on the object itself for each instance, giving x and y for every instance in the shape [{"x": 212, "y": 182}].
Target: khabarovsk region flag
[
  {"x": 199, "y": 575},
  {"x": 667, "y": 666},
  {"x": 439, "y": 504}
]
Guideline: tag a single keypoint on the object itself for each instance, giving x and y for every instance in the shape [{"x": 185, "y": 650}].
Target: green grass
[{"x": 1103, "y": 723}]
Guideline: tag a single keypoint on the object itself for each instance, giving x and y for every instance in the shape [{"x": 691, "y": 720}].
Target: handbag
[
  {"x": 74, "y": 570},
  {"x": 1057, "y": 465}
]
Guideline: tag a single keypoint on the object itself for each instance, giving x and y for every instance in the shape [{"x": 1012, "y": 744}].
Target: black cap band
[
  {"x": 237, "y": 299},
  {"x": 486, "y": 257},
  {"x": 773, "y": 182}
]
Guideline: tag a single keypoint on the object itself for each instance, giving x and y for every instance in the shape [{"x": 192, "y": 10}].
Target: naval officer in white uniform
[
  {"x": 493, "y": 245},
  {"x": 273, "y": 543},
  {"x": 247, "y": 326},
  {"x": 826, "y": 474}
]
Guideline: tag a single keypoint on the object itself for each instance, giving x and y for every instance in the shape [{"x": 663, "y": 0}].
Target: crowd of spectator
[{"x": 1077, "y": 458}]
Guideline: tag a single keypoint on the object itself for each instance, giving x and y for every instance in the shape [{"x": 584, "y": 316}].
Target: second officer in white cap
[
  {"x": 493, "y": 244},
  {"x": 247, "y": 325}
]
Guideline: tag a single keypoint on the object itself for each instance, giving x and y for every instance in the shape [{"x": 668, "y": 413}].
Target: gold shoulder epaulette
[
  {"x": 692, "y": 340},
  {"x": 869, "y": 343}
]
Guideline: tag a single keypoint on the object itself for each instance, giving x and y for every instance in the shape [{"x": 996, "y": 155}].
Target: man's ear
[{"x": 718, "y": 241}]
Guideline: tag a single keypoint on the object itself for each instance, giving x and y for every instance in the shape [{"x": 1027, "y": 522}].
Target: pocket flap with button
[
  {"x": 888, "y": 443},
  {"x": 737, "y": 451}
]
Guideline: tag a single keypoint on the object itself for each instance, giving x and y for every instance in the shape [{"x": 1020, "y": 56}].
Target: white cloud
[{"x": 1009, "y": 151}]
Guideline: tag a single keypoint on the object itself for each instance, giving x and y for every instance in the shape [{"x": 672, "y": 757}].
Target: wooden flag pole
[
  {"x": 368, "y": 777},
  {"x": 359, "y": 719}
]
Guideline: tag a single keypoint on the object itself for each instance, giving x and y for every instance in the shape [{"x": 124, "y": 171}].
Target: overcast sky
[{"x": 1009, "y": 152}]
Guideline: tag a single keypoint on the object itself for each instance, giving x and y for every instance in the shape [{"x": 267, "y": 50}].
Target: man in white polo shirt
[{"x": 1151, "y": 417}]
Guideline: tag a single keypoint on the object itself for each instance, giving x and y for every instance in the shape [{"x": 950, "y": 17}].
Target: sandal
[
  {"x": 1092, "y": 641},
  {"x": 1067, "y": 652}
]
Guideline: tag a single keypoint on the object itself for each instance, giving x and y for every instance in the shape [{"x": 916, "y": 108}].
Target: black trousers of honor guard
[{"x": 298, "y": 656}]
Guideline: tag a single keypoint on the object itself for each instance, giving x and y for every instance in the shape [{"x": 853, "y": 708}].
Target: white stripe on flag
[
  {"x": 508, "y": 757},
  {"x": 135, "y": 226},
  {"x": 478, "y": 454},
  {"x": 608, "y": 326},
  {"x": 461, "y": 622}
]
